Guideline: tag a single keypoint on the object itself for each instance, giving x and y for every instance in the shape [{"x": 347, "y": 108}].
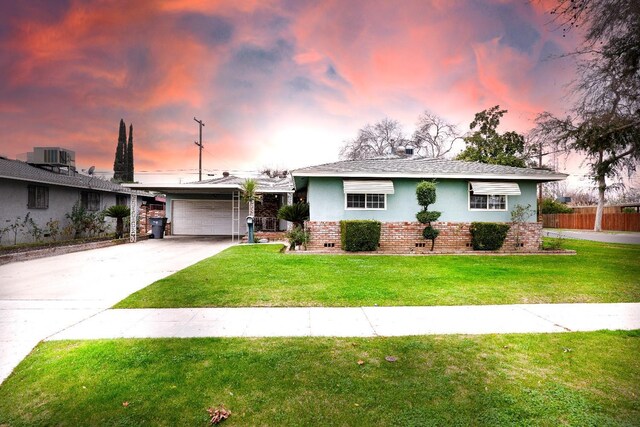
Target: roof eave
[
  {"x": 47, "y": 182},
  {"x": 168, "y": 187}
]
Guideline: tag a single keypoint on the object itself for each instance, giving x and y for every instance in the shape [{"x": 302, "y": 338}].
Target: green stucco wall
[{"x": 326, "y": 202}]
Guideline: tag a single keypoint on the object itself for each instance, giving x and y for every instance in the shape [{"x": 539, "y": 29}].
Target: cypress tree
[
  {"x": 129, "y": 156},
  {"x": 118, "y": 164}
]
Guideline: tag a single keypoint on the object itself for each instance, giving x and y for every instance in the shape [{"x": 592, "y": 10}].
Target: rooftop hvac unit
[{"x": 52, "y": 156}]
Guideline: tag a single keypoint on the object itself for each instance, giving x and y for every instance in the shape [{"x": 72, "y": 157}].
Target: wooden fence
[{"x": 580, "y": 221}]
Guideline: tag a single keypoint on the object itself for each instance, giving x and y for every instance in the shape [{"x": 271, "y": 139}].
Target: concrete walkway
[
  {"x": 354, "y": 322},
  {"x": 603, "y": 236},
  {"x": 41, "y": 297}
]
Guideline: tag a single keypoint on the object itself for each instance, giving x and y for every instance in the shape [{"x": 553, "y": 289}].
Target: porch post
[
  {"x": 133, "y": 218},
  {"x": 289, "y": 202}
]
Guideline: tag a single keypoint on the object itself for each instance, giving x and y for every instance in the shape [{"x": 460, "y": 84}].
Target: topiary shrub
[
  {"x": 426, "y": 195},
  {"x": 360, "y": 235},
  {"x": 488, "y": 236}
]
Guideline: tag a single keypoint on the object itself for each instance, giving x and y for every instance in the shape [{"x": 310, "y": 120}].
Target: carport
[{"x": 215, "y": 207}]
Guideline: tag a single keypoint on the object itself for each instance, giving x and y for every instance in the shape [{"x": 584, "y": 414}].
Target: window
[
  {"x": 38, "y": 197},
  {"x": 90, "y": 200},
  {"x": 365, "y": 201},
  {"x": 492, "y": 202},
  {"x": 121, "y": 200}
]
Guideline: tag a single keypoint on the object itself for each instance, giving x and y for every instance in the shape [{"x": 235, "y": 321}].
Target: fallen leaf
[
  {"x": 360, "y": 362},
  {"x": 218, "y": 415},
  {"x": 390, "y": 358},
  {"x": 125, "y": 404}
]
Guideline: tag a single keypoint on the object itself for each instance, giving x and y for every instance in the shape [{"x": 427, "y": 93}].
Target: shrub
[
  {"x": 430, "y": 233},
  {"x": 519, "y": 215},
  {"x": 297, "y": 213},
  {"x": 553, "y": 243},
  {"x": 628, "y": 210},
  {"x": 488, "y": 236},
  {"x": 425, "y": 217},
  {"x": 426, "y": 195},
  {"x": 119, "y": 212},
  {"x": 297, "y": 236},
  {"x": 550, "y": 206},
  {"x": 360, "y": 235}
]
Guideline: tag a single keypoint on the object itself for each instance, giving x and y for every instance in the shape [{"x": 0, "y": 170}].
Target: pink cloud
[{"x": 257, "y": 70}]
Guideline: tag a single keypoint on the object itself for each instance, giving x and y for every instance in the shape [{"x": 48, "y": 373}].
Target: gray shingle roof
[
  {"x": 424, "y": 168},
  {"x": 15, "y": 169}
]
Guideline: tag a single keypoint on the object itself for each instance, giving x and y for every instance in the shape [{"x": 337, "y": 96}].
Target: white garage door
[{"x": 204, "y": 217}]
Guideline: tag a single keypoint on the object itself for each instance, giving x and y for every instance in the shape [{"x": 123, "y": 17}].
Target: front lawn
[
  {"x": 259, "y": 275},
  {"x": 539, "y": 379}
]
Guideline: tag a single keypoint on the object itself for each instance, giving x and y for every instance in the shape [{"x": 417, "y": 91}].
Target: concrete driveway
[{"x": 41, "y": 297}]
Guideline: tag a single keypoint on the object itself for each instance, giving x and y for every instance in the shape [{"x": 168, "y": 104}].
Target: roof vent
[{"x": 225, "y": 174}]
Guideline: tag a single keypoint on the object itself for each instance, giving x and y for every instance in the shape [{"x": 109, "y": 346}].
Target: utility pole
[{"x": 199, "y": 144}]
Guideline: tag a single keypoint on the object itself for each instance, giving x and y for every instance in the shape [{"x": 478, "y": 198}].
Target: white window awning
[
  {"x": 495, "y": 188},
  {"x": 379, "y": 186}
]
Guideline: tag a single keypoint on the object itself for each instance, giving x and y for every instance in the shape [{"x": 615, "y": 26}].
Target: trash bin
[{"x": 157, "y": 227}]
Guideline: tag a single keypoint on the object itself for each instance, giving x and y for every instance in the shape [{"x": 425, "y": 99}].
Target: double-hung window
[
  {"x": 366, "y": 194},
  {"x": 491, "y": 196},
  {"x": 38, "y": 197}
]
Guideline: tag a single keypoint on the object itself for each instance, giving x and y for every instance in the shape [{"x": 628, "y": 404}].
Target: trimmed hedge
[
  {"x": 488, "y": 236},
  {"x": 360, "y": 235}
]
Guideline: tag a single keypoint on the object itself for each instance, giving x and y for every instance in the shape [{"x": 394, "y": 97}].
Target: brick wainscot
[{"x": 406, "y": 237}]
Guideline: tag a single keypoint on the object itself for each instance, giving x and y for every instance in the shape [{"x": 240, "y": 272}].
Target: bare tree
[
  {"x": 274, "y": 171},
  {"x": 381, "y": 138},
  {"x": 605, "y": 122},
  {"x": 434, "y": 136}
]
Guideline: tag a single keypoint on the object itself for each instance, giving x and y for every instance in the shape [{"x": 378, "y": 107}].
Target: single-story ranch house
[
  {"x": 384, "y": 189},
  {"x": 46, "y": 186}
]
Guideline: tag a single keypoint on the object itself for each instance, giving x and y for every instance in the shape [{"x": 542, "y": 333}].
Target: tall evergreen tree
[
  {"x": 129, "y": 156},
  {"x": 118, "y": 164}
]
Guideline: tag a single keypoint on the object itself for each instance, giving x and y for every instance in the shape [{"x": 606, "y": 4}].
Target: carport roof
[{"x": 225, "y": 184}]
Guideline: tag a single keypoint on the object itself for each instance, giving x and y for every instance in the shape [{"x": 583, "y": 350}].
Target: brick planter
[{"x": 406, "y": 237}]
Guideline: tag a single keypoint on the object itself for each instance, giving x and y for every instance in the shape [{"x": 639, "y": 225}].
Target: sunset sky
[{"x": 277, "y": 83}]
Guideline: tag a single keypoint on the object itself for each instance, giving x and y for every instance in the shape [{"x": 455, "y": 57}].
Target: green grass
[
  {"x": 577, "y": 379},
  {"x": 259, "y": 275}
]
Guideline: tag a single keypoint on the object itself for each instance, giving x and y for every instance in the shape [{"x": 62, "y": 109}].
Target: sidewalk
[
  {"x": 629, "y": 237},
  {"x": 353, "y": 321}
]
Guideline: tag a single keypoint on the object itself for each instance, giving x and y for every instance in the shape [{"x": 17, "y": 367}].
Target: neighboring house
[
  {"x": 385, "y": 190},
  {"x": 215, "y": 208},
  {"x": 49, "y": 194}
]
